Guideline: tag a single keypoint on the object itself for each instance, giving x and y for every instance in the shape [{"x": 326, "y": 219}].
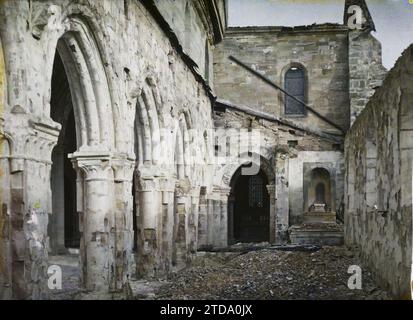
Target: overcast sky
[{"x": 393, "y": 18}]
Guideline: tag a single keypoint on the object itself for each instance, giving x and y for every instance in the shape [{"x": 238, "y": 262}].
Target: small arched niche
[{"x": 319, "y": 197}]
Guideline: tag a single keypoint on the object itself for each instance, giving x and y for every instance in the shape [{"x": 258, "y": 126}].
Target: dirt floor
[
  {"x": 264, "y": 273},
  {"x": 271, "y": 274},
  {"x": 70, "y": 277}
]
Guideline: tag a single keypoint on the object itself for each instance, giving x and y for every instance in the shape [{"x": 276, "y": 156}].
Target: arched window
[{"x": 295, "y": 85}]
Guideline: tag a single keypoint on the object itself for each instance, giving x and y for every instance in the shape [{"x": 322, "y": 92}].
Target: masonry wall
[
  {"x": 332, "y": 161},
  {"x": 296, "y": 148},
  {"x": 140, "y": 85},
  {"x": 378, "y": 183},
  {"x": 366, "y": 71},
  {"x": 189, "y": 19},
  {"x": 321, "y": 50},
  {"x": 188, "y": 25}
]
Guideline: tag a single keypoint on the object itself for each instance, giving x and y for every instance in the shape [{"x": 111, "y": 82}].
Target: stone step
[{"x": 317, "y": 234}]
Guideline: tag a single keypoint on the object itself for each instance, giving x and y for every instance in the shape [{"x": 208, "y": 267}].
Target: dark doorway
[
  {"x": 65, "y": 219},
  {"x": 251, "y": 211}
]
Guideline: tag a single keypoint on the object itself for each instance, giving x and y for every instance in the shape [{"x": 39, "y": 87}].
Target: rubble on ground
[{"x": 271, "y": 274}]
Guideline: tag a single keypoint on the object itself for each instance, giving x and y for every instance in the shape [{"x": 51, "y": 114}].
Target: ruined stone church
[{"x": 129, "y": 136}]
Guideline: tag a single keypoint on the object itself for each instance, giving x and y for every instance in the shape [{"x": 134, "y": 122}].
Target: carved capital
[
  {"x": 147, "y": 184},
  {"x": 95, "y": 167},
  {"x": 183, "y": 187},
  {"x": 123, "y": 169}
]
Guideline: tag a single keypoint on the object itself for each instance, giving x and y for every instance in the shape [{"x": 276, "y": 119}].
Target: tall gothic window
[
  {"x": 256, "y": 197},
  {"x": 295, "y": 85}
]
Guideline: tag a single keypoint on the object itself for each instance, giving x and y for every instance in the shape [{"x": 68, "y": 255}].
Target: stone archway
[
  {"x": 64, "y": 223},
  {"x": 249, "y": 207},
  {"x": 243, "y": 168},
  {"x": 81, "y": 103}
]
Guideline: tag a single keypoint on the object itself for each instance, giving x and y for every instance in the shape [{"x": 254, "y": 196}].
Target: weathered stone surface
[
  {"x": 120, "y": 66},
  {"x": 320, "y": 50},
  {"x": 123, "y": 90},
  {"x": 378, "y": 184}
]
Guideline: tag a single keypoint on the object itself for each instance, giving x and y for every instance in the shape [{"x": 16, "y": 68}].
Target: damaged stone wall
[
  {"x": 283, "y": 151},
  {"x": 378, "y": 182},
  {"x": 189, "y": 19},
  {"x": 135, "y": 97},
  {"x": 332, "y": 161},
  {"x": 366, "y": 72},
  {"x": 320, "y": 49}
]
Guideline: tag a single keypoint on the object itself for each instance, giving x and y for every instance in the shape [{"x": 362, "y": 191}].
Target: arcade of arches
[{"x": 112, "y": 131}]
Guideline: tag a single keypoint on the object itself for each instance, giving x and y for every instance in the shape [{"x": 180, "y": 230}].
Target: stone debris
[
  {"x": 272, "y": 274},
  {"x": 265, "y": 274}
]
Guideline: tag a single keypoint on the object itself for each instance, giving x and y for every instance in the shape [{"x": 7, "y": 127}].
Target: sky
[{"x": 393, "y": 18}]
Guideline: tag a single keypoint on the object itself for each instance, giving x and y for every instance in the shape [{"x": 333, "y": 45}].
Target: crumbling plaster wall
[
  {"x": 378, "y": 182},
  {"x": 137, "y": 58}
]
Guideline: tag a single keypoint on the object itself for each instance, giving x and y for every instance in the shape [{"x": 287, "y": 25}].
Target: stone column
[
  {"x": 181, "y": 238},
  {"x": 282, "y": 199},
  {"x": 273, "y": 212},
  {"x": 193, "y": 222},
  {"x": 97, "y": 221},
  {"x": 203, "y": 220},
  {"x": 167, "y": 225},
  {"x": 223, "y": 230},
  {"x": 216, "y": 218},
  {"x": 148, "y": 258},
  {"x": 231, "y": 203},
  {"x": 210, "y": 221},
  {"x": 123, "y": 175},
  {"x": 19, "y": 245},
  {"x": 30, "y": 205}
]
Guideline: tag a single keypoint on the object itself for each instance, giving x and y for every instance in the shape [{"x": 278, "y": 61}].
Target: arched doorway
[
  {"x": 64, "y": 231},
  {"x": 250, "y": 208}
]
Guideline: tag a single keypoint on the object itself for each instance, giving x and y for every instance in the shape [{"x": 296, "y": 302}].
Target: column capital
[
  {"x": 95, "y": 165},
  {"x": 123, "y": 169},
  {"x": 147, "y": 184},
  {"x": 222, "y": 190},
  {"x": 167, "y": 185},
  {"x": 183, "y": 187}
]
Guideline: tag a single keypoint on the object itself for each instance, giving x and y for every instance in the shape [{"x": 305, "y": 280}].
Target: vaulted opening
[
  {"x": 249, "y": 207},
  {"x": 64, "y": 225},
  {"x": 319, "y": 191}
]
